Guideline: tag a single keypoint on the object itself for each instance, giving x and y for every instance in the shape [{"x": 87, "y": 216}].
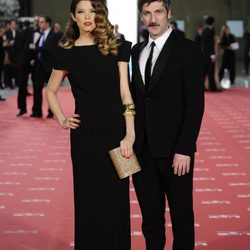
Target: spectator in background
[
  {"x": 31, "y": 35},
  {"x": 10, "y": 65},
  {"x": 198, "y": 35},
  {"x": 24, "y": 66},
  {"x": 43, "y": 63},
  {"x": 247, "y": 50},
  {"x": 174, "y": 26},
  {"x": 36, "y": 29},
  {"x": 208, "y": 47},
  {"x": 58, "y": 31},
  {"x": 2, "y": 31},
  {"x": 143, "y": 33},
  {"x": 120, "y": 36},
  {"x": 228, "y": 56}
]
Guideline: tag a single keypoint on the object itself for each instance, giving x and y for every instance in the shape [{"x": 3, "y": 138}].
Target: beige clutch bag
[{"x": 124, "y": 167}]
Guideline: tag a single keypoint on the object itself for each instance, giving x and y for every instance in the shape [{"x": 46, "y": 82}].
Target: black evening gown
[{"x": 102, "y": 211}]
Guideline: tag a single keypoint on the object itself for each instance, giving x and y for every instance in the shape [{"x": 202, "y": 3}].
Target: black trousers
[
  {"x": 246, "y": 59},
  {"x": 10, "y": 72},
  {"x": 153, "y": 184},
  {"x": 41, "y": 78},
  {"x": 23, "y": 77},
  {"x": 1, "y": 73},
  {"x": 210, "y": 71},
  {"x": 228, "y": 62}
]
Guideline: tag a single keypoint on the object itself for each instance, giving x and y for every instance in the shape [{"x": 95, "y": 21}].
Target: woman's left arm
[{"x": 126, "y": 144}]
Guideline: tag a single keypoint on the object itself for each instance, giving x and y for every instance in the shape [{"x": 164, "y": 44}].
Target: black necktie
[
  {"x": 40, "y": 56},
  {"x": 148, "y": 68}
]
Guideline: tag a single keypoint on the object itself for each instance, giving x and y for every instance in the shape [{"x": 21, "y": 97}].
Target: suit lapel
[
  {"x": 161, "y": 61},
  {"x": 48, "y": 37},
  {"x": 137, "y": 72}
]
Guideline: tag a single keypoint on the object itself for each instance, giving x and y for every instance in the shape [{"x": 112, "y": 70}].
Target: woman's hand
[
  {"x": 72, "y": 122},
  {"x": 126, "y": 146}
]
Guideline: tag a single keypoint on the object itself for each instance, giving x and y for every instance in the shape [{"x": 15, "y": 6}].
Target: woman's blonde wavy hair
[{"x": 103, "y": 33}]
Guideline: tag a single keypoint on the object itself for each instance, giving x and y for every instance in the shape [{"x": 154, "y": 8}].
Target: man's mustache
[{"x": 153, "y": 24}]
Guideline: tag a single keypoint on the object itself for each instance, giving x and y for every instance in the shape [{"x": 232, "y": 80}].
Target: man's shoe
[
  {"x": 33, "y": 115},
  {"x": 21, "y": 112},
  {"x": 2, "y": 99}
]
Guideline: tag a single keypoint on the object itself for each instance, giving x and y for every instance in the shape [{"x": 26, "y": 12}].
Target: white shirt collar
[
  {"x": 46, "y": 32},
  {"x": 160, "y": 41}
]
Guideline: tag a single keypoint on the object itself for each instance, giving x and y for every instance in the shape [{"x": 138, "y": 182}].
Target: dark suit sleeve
[{"x": 193, "y": 98}]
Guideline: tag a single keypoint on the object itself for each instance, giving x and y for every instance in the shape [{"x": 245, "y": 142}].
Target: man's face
[
  {"x": 155, "y": 18},
  {"x": 13, "y": 25},
  {"x": 43, "y": 25}
]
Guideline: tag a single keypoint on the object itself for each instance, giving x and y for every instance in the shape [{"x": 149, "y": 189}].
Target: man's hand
[
  {"x": 181, "y": 164},
  {"x": 212, "y": 57},
  {"x": 32, "y": 62},
  {"x": 32, "y": 46}
]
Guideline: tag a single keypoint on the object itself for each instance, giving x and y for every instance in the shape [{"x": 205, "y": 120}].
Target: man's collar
[{"x": 160, "y": 41}]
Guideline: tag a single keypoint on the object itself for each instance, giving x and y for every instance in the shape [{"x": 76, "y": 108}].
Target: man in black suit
[
  {"x": 43, "y": 63},
  {"x": 2, "y": 53},
  {"x": 168, "y": 91},
  {"x": 174, "y": 26},
  {"x": 208, "y": 48},
  {"x": 10, "y": 67},
  {"x": 25, "y": 38}
]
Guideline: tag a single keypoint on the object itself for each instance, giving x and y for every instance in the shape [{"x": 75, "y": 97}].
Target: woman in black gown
[{"x": 97, "y": 68}]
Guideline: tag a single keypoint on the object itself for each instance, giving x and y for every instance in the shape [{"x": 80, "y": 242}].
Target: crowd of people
[
  {"x": 19, "y": 58},
  {"x": 214, "y": 47},
  {"x": 25, "y": 49}
]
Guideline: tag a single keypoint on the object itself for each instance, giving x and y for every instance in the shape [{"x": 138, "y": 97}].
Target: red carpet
[{"x": 36, "y": 204}]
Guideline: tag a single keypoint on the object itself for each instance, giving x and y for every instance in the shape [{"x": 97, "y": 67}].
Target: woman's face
[{"x": 85, "y": 16}]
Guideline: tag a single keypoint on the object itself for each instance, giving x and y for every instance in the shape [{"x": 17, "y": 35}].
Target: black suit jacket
[
  {"x": 12, "y": 50},
  {"x": 1, "y": 52},
  {"x": 207, "y": 42},
  {"x": 47, "y": 51},
  {"x": 9, "y": 35},
  {"x": 26, "y": 38},
  {"x": 170, "y": 112}
]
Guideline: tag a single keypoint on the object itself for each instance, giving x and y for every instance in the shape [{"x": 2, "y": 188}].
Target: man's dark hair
[
  {"x": 174, "y": 23},
  {"x": 210, "y": 20},
  {"x": 142, "y": 2},
  {"x": 26, "y": 24},
  {"x": 47, "y": 19}
]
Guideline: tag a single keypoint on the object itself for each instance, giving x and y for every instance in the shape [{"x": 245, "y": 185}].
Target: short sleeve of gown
[
  {"x": 59, "y": 58},
  {"x": 124, "y": 51}
]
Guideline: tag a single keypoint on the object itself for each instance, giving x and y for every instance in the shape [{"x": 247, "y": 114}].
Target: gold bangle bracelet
[
  {"x": 129, "y": 106},
  {"x": 129, "y": 109},
  {"x": 129, "y": 113}
]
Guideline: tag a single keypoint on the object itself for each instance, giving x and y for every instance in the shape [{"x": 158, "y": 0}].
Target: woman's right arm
[{"x": 54, "y": 83}]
